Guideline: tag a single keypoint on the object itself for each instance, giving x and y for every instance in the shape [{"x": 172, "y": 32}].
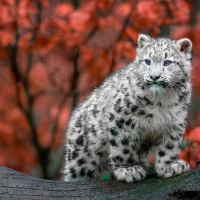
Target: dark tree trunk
[{"x": 14, "y": 185}]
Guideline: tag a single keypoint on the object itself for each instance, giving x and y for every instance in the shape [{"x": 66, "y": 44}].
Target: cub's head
[{"x": 163, "y": 62}]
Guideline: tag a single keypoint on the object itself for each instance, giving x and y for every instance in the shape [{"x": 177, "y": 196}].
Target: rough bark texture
[{"x": 14, "y": 185}]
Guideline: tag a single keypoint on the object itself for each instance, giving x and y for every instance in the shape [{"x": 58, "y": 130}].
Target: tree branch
[{"x": 14, "y": 185}]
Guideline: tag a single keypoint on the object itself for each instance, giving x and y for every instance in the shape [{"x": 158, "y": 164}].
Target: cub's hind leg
[
  {"x": 85, "y": 160},
  {"x": 80, "y": 165}
]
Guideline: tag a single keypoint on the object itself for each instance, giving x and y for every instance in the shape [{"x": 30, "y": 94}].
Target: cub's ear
[
  {"x": 184, "y": 45},
  {"x": 143, "y": 40}
]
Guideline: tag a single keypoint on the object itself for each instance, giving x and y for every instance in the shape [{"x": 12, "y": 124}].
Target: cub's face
[{"x": 163, "y": 62}]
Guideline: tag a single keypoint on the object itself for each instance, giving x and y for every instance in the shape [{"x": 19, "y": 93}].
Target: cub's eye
[
  {"x": 147, "y": 61},
  {"x": 167, "y": 62}
]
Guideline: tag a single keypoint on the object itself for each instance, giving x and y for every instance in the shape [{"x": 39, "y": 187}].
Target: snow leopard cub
[{"x": 138, "y": 109}]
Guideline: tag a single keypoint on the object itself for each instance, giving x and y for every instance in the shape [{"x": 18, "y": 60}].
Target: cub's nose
[{"x": 155, "y": 77}]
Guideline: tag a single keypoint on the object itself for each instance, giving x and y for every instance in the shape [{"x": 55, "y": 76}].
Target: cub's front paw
[
  {"x": 173, "y": 169},
  {"x": 130, "y": 174}
]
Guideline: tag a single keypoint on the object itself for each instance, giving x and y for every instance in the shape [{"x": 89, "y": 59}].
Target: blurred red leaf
[
  {"x": 123, "y": 9},
  {"x": 6, "y": 37},
  {"x": 38, "y": 74},
  {"x": 3, "y": 53},
  {"x": 53, "y": 112},
  {"x": 41, "y": 42},
  {"x": 192, "y": 151},
  {"x": 65, "y": 113},
  {"x": 131, "y": 33},
  {"x": 194, "y": 135},
  {"x": 81, "y": 20},
  {"x": 24, "y": 41},
  {"x": 105, "y": 4},
  {"x": 45, "y": 25},
  {"x": 63, "y": 9},
  {"x": 87, "y": 55},
  {"x": 26, "y": 6},
  {"x": 148, "y": 14},
  {"x": 9, "y": 2},
  {"x": 6, "y": 18},
  {"x": 25, "y": 9},
  {"x": 129, "y": 50},
  {"x": 181, "y": 11},
  {"x": 126, "y": 48},
  {"x": 74, "y": 39},
  {"x": 45, "y": 44},
  {"x": 110, "y": 21}
]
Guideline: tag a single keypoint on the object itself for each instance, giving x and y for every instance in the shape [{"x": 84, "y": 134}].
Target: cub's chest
[{"x": 157, "y": 117}]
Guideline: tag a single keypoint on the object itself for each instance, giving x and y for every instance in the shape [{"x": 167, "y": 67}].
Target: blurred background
[{"x": 53, "y": 53}]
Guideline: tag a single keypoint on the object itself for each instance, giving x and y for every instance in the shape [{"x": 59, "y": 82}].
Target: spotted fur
[{"x": 139, "y": 109}]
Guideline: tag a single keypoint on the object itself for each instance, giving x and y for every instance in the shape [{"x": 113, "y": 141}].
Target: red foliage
[
  {"x": 123, "y": 9},
  {"x": 62, "y": 51},
  {"x": 191, "y": 150},
  {"x": 63, "y": 9}
]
